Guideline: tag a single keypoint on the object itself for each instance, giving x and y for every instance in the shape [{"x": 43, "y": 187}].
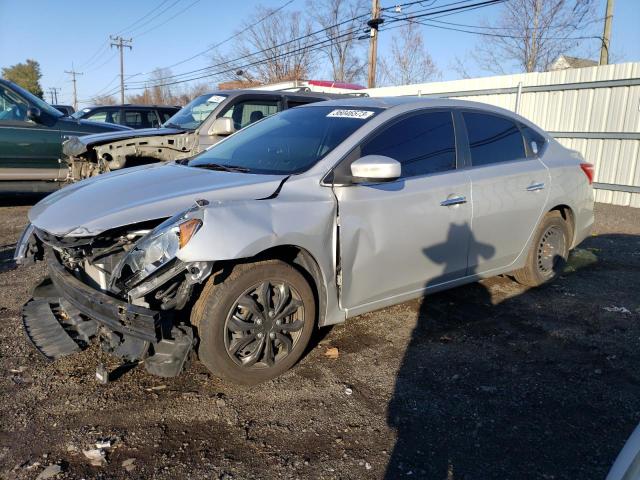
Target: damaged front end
[
  {"x": 125, "y": 288},
  {"x": 90, "y": 156}
]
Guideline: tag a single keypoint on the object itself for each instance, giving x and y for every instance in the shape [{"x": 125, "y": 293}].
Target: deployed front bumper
[{"x": 117, "y": 315}]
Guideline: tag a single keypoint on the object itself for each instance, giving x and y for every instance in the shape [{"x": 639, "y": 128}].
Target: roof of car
[
  {"x": 390, "y": 102},
  {"x": 132, "y": 105},
  {"x": 283, "y": 93}
]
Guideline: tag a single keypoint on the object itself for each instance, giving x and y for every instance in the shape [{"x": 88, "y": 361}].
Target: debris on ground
[
  {"x": 615, "y": 309},
  {"x": 97, "y": 457},
  {"x": 49, "y": 472},
  {"x": 332, "y": 353},
  {"x": 155, "y": 388},
  {"x": 129, "y": 464}
]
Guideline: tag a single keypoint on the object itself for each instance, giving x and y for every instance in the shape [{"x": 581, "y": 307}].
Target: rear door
[
  {"x": 509, "y": 186},
  {"x": 399, "y": 237}
]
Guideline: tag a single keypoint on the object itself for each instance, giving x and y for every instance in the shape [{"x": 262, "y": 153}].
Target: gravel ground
[{"x": 488, "y": 380}]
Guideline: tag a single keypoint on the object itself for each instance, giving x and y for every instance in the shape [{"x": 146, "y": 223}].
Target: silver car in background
[{"x": 302, "y": 220}]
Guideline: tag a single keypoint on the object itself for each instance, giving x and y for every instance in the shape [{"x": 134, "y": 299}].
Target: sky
[{"x": 67, "y": 34}]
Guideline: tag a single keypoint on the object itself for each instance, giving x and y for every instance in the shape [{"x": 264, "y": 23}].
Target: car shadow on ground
[
  {"x": 20, "y": 199},
  {"x": 499, "y": 381}
]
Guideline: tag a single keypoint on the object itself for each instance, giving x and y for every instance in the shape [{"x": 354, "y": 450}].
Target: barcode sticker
[{"x": 360, "y": 114}]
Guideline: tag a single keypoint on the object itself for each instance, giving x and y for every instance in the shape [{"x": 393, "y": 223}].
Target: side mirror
[
  {"x": 376, "y": 168},
  {"x": 34, "y": 114},
  {"x": 222, "y": 127}
]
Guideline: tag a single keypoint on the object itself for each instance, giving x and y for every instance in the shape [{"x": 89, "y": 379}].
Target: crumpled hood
[
  {"x": 139, "y": 194},
  {"x": 78, "y": 145}
]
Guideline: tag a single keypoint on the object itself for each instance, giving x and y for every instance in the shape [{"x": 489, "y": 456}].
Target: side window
[
  {"x": 493, "y": 139},
  {"x": 115, "y": 116},
  {"x": 165, "y": 115},
  {"x": 247, "y": 112},
  {"x": 423, "y": 143},
  {"x": 535, "y": 141},
  {"x": 137, "y": 118},
  {"x": 152, "y": 119},
  {"x": 12, "y": 107},
  {"x": 98, "y": 116}
]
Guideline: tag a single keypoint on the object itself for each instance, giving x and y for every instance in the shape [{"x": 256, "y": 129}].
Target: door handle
[
  {"x": 453, "y": 200},
  {"x": 534, "y": 187}
]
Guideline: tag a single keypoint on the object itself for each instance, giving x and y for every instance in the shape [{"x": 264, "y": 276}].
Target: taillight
[{"x": 588, "y": 170}]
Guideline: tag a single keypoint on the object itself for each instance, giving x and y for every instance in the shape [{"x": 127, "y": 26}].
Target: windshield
[
  {"x": 37, "y": 102},
  {"x": 195, "y": 112},
  {"x": 289, "y": 142}
]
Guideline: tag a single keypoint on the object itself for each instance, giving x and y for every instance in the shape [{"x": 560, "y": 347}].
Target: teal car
[{"x": 31, "y": 136}]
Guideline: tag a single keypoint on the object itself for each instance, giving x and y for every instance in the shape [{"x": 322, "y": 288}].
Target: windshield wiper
[
  {"x": 171, "y": 125},
  {"x": 222, "y": 168}
]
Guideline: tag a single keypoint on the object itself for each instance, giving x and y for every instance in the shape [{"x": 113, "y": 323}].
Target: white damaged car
[{"x": 299, "y": 221}]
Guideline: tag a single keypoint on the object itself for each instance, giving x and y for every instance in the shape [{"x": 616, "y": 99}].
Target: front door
[
  {"x": 510, "y": 190},
  {"x": 399, "y": 237},
  {"x": 28, "y": 151}
]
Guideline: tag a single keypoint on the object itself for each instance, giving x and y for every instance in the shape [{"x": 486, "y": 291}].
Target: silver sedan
[{"x": 302, "y": 220}]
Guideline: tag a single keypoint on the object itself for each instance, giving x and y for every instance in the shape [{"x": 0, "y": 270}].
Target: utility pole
[
  {"x": 73, "y": 74},
  {"x": 53, "y": 91},
  {"x": 374, "y": 23},
  {"x": 606, "y": 35},
  {"x": 121, "y": 44}
]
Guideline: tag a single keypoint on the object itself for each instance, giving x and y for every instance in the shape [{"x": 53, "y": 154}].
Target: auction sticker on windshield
[
  {"x": 215, "y": 99},
  {"x": 361, "y": 114}
]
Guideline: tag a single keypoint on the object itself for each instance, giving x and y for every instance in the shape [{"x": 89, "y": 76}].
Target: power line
[
  {"x": 208, "y": 71},
  {"x": 154, "y": 9},
  {"x": 170, "y": 19},
  {"x": 121, "y": 44},
  {"x": 271, "y": 48},
  {"x": 132, "y": 31},
  {"x": 73, "y": 74},
  {"x": 53, "y": 91},
  {"x": 270, "y": 14},
  {"x": 308, "y": 48}
]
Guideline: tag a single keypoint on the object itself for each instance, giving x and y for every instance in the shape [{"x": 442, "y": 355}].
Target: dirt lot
[{"x": 485, "y": 381}]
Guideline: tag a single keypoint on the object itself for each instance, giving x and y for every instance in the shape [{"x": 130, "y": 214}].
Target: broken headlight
[{"x": 156, "y": 250}]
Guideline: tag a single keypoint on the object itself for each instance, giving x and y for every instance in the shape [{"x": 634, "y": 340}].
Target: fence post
[{"x": 518, "y": 95}]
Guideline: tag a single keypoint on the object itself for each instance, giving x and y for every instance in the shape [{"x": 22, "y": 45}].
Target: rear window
[{"x": 493, "y": 139}]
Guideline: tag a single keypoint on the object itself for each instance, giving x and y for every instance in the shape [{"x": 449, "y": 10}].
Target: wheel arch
[{"x": 568, "y": 216}]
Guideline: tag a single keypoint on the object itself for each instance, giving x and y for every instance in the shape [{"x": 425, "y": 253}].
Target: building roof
[{"x": 564, "y": 61}]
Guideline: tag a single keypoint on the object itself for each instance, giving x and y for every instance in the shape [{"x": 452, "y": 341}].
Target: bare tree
[
  {"x": 460, "y": 66},
  {"x": 157, "y": 92},
  {"x": 530, "y": 34},
  {"x": 409, "y": 61},
  {"x": 104, "y": 100},
  {"x": 275, "y": 47},
  {"x": 346, "y": 60}
]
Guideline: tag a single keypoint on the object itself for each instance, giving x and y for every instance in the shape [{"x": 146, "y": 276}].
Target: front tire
[
  {"x": 256, "y": 324},
  {"x": 548, "y": 252}
]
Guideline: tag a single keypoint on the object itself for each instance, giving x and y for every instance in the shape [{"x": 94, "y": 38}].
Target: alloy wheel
[{"x": 264, "y": 324}]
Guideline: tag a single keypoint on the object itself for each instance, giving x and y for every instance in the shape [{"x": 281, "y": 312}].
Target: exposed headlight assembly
[{"x": 157, "y": 250}]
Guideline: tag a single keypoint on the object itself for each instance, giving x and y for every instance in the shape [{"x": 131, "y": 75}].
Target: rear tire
[
  {"x": 256, "y": 324},
  {"x": 548, "y": 252}
]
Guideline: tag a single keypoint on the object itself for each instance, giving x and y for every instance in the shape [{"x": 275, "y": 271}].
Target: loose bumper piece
[
  {"x": 65, "y": 315},
  {"x": 119, "y": 316}
]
